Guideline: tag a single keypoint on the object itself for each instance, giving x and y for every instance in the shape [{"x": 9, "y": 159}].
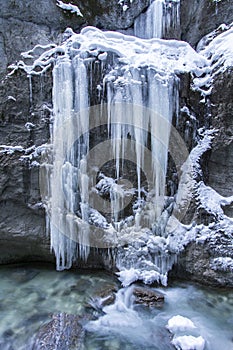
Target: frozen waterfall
[
  {"x": 139, "y": 109},
  {"x": 156, "y": 21},
  {"x": 114, "y": 99}
]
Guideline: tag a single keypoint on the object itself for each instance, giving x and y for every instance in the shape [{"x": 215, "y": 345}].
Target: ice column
[
  {"x": 135, "y": 114},
  {"x": 160, "y": 17},
  {"x": 150, "y": 23},
  {"x": 70, "y": 142}
]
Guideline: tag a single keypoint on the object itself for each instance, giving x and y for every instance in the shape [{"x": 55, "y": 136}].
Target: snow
[
  {"x": 69, "y": 7},
  {"x": 37, "y": 50},
  {"x": 179, "y": 323},
  {"x": 140, "y": 261},
  {"x": 127, "y": 277},
  {"x": 222, "y": 264},
  {"x": 95, "y": 218},
  {"x": 220, "y": 52},
  {"x": 217, "y": 48},
  {"x": 11, "y": 98},
  {"x": 34, "y": 164},
  {"x": 103, "y": 56},
  {"x": 212, "y": 201},
  {"x": 10, "y": 149},
  {"x": 191, "y": 170},
  {"x": 29, "y": 126},
  {"x": 28, "y": 154},
  {"x": 188, "y": 342},
  {"x": 166, "y": 56},
  {"x": 147, "y": 276}
]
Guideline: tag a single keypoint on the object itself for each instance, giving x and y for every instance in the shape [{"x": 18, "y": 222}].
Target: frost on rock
[
  {"x": 212, "y": 201},
  {"x": 189, "y": 342},
  {"x": 69, "y": 7},
  {"x": 125, "y": 4},
  {"x": 191, "y": 170},
  {"x": 10, "y": 149},
  {"x": 217, "y": 48},
  {"x": 29, "y": 126}
]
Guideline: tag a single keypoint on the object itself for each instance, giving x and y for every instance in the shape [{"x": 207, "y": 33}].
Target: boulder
[
  {"x": 148, "y": 296},
  {"x": 63, "y": 332}
]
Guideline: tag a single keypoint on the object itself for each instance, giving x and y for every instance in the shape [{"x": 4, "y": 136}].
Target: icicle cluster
[{"x": 134, "y": 83}]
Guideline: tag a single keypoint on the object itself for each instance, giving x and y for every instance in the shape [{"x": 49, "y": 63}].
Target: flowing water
[{"x": 29, "y": 295}]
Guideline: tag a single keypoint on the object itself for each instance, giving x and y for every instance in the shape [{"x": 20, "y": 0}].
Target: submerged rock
[
  {"x": 103, "y": 297},
  {"x": 108, "y": 295},
  {"x": 63, "y": 332}
]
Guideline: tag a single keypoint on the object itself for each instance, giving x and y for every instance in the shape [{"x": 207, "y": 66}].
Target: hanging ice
[
  {"x": 158, "y": 19},
  {"x": 134, "y": 83}
]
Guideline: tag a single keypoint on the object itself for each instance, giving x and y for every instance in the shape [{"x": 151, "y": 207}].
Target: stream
[{"x": 30, "y": 295}]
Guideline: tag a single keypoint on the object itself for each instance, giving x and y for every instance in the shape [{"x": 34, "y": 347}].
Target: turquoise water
[{"x": 29, "y": 295}]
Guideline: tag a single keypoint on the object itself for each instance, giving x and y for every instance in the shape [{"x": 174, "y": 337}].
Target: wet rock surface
[
  {"x": 63, "y": 332},
  {"x": 148, "y": 297}
]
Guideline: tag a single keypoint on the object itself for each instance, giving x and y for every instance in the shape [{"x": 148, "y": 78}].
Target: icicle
[
  {"x": 171, "y": 17},
  {"x": 160, "y": 17},
  {"x": 66, "y": 179},
  {"x": 30, "y": 89},
  {"x": 150, "y": 24}
]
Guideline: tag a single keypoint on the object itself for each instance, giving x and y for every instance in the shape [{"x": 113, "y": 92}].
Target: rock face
[
  {"x": 220, "y": 174},
  {"x": 25, "y": 118},
  {"x": 201, "y": 17},
  {"x": 197, "y": 263}
]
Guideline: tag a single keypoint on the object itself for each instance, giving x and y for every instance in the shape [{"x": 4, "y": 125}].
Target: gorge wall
[{"x": 25, "y": 122}]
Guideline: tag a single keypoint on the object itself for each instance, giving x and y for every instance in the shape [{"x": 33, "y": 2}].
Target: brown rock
[{"x": 148, "y": 297}]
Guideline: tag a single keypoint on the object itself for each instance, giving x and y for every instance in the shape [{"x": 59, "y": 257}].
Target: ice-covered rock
[
  {"x": 179, "y": 323},
  {"x": 188, "y": 342}
]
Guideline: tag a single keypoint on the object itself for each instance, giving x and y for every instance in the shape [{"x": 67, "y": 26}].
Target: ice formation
[
  {"x": 69, "y": 7},
  {"x": 159, "y": 17},
  {"x": 134, "y": 83},
  {"x": 180, "y": 323},
  {"x": 136, "y": 88},
  {"x": 137, "y": 92}
]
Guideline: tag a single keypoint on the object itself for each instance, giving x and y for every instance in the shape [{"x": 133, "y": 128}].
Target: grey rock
[
  {"x": 220, "y": 168},
  {"x": 200, "y": 17},
  {"x": 195, "y": 264}
]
